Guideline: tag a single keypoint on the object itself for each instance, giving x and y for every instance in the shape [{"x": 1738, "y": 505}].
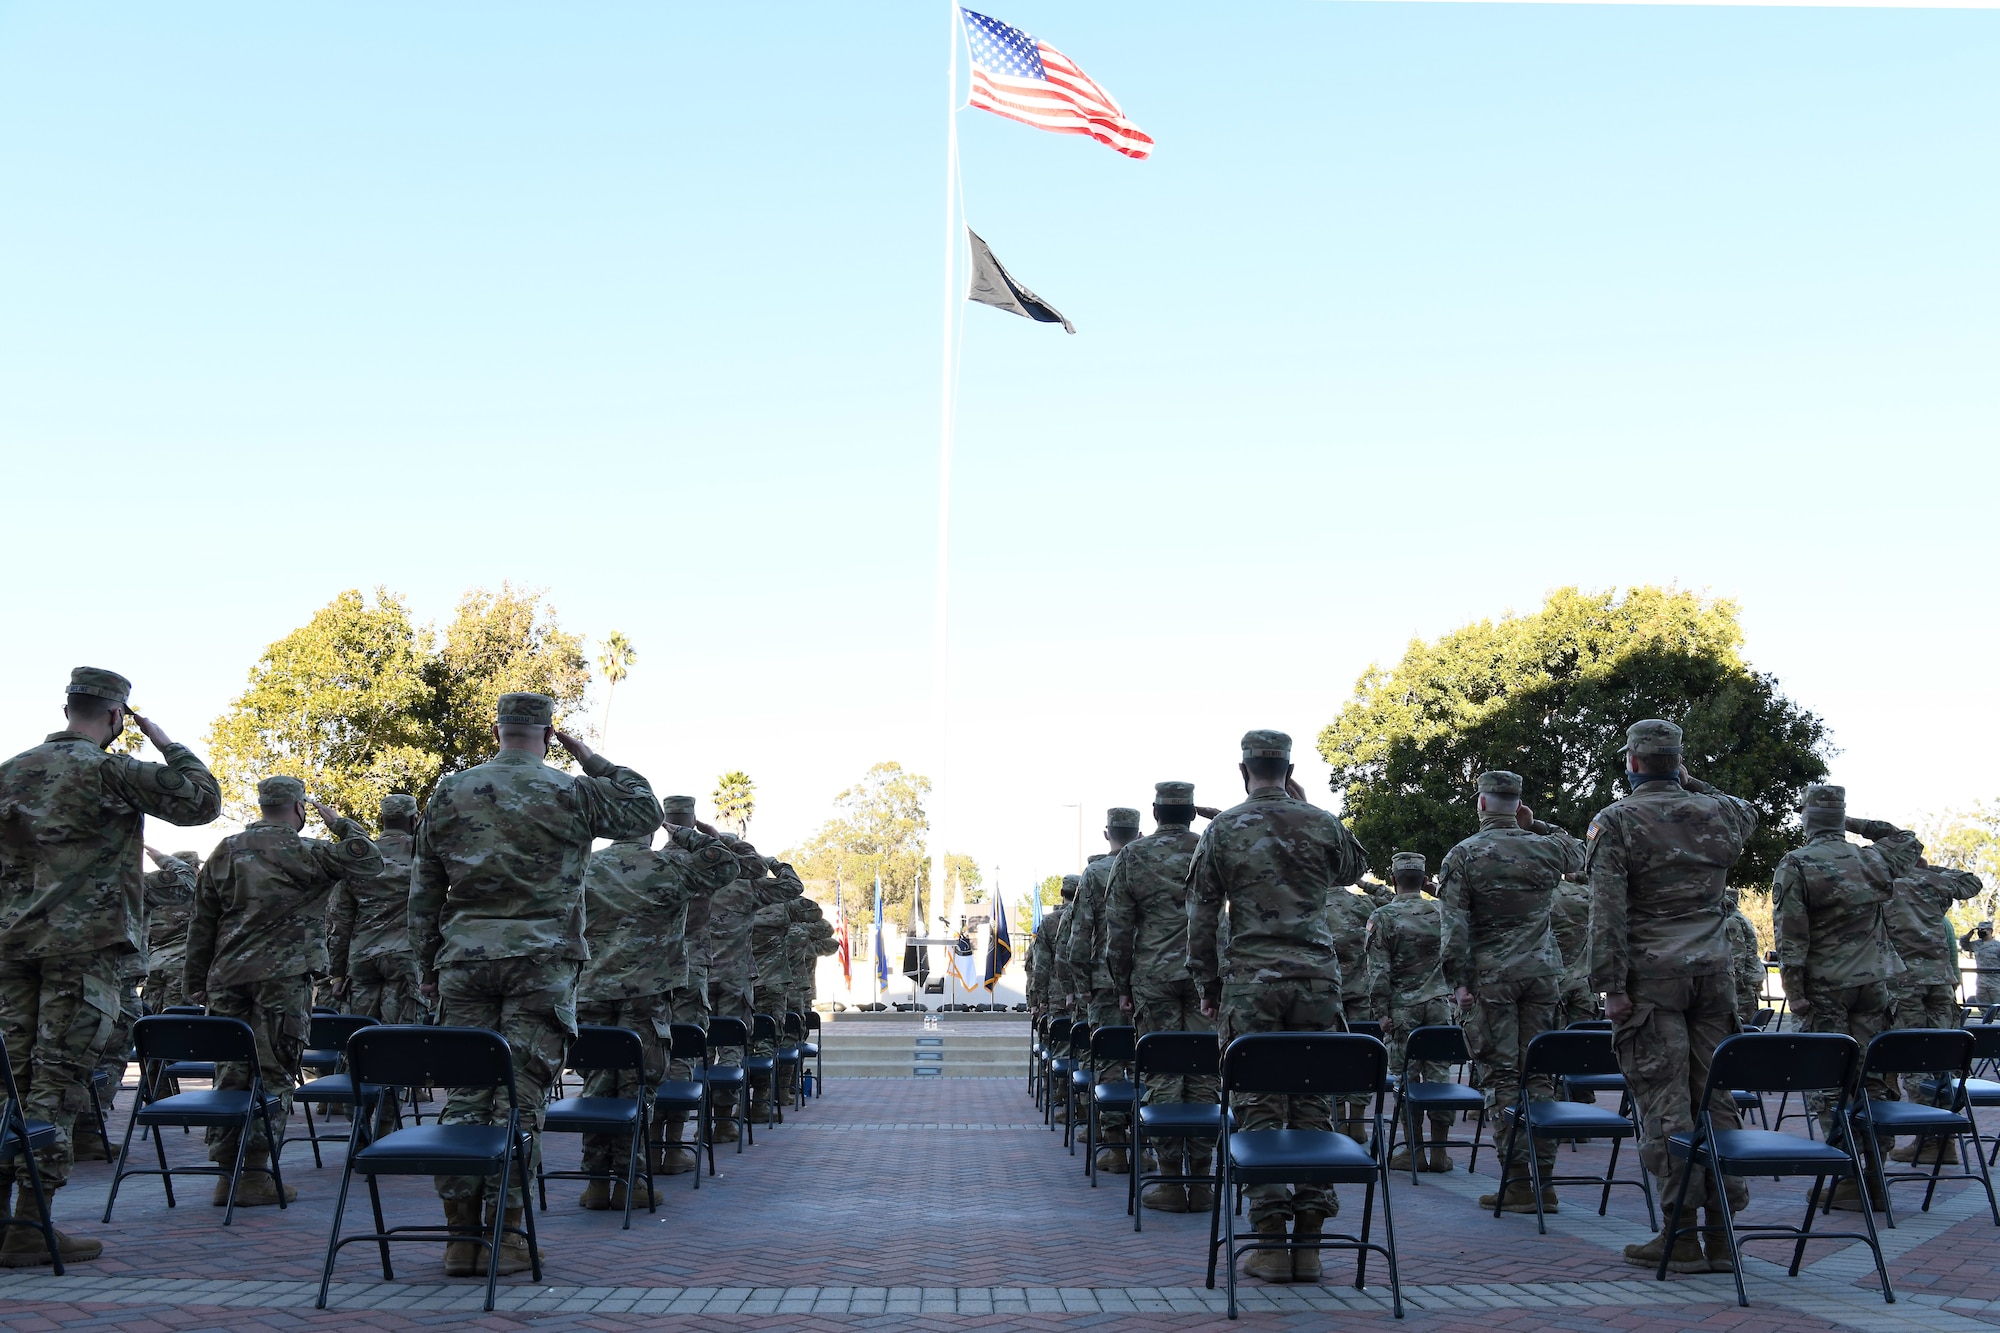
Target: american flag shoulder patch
[{"x": 1592, "y": 835}]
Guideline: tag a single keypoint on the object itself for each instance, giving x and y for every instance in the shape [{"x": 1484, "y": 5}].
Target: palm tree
[
  {"x": 615, "y": 662},
  {"x": 735, "y": 798}
]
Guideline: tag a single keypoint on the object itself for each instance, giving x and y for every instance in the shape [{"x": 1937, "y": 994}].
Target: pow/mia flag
[{"x": 993, "y": 285}]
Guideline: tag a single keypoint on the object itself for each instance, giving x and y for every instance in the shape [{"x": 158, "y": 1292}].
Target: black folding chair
[
  {"x": 1946, "y": 1052},
  {"x": 729, "y": 1085},
  {"x": 1110, "y": 1045},
  {"x": 1304, "y": 1064},
  {"x": 597, "y": 1049},
  {"x": 1077, "y": 1083},
  {"x": 675, "y": 1097},
  {"x": 435, "y": 1057},
  {"x": 1437, "y": 1044},
  {"x": 792, "y": 1053},
  {"x": 1781, "y": 1062},
  {"x": 1186, "y": 1054},
  {"x": 328, "y": 1037},
  {"x": 1055, "y": 1066},
  {"x": 809, "y": 1049},
  {"x": 23, "y": 1138},
  {"x": 1981, "y": 1093},
  {"x": 763, "y": 1027},
  {"x": 1038, "y": 1031},
  {"x": 1563, "y": 1055},
  {"x": 162, "y": 1040}
]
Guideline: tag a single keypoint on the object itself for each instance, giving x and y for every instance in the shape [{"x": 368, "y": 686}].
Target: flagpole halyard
[{"x": 941, "y": 607}]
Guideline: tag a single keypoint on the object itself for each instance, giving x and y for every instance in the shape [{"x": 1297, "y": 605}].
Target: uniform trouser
[
  {"x": 384, "y": 986},
  {"x": 686, "y": 1004},
  {"x": 1285, "y": 1005},
  {"x": 532, "y": 1003},
  {"x": 1173, "y": 1005},
  {"x": 728, "y": 1000},
  {"x": 647, "y": 1015},
  {"x": 1577, "y": 1005},
  {"x": 1665, "y": 1046},
  {"x": 118, "y": 1047},
  {"x": 1112, "y": 1126},
  {"x": 56, "y": 1017},
  {"x": 1512, "y": 1014},
  {"x": 279, "y": 1014},
  {"x": 765, "y": 1000},
  {"x": 1405, "y": 1018},
  {"x": 1862, "y": 1012},
  {"x": 1914, "y": 1006},
  {"x": 1357, "y": 1106},
  {"x": 164, "y": 985}
]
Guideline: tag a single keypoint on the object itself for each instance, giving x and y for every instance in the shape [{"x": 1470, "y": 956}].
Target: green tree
[
  {"x": 879, "y": 828},
  {"x": 361, "y": 701},
  {"x": 616, "y": 663},
  {"x": 1050, "y": 891},
  {"x": 1549, "y": 696},
  {"x": 735, "y": 798},
  {"x": 1967, "y": 840},
  {"x": 338, "y": 703}
]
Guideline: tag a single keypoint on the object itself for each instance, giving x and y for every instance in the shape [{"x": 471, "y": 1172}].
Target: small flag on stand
[
  {"x": 846, "y": 952},
  {"x": 881, "y": 954},
  {"x": 1000, "y": 944}
]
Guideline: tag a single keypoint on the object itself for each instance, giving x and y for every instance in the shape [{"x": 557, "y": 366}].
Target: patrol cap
[
  {"x": 678, "y": 805},
  {"x": 398, "y": 803},
  {"x": 1121, "y": 816},
  {"x": 280, "y": 790},
  {"x": 1653, "y": 736},
  {"x": 1499, "y": 782},
  {"x": 191, "y": 858},
  {"x": 526, "y": 710},
  {"x": 1069, "y": 886},
  {"x": 1266, "y": 744},
  {"x": 1984, "y": 925},
  {"x": 1407, "y": 861},
  {"x": 1173, "y": 793},
  {"x": 1825, "y": 796},
  {"x": 100, "y": 684}
]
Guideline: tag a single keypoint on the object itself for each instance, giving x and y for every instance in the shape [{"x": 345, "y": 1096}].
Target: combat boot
[
  {"x": 1908, "y": 1152},
  {"x": 461, "y": 1256},
  {"x": 255, "y": 1189},
  {"x": 671, "y": 1157},
  {"x": 1161, "y": 1197},
  {"x": 1550, "y": 1204},
  {"x": 87, "y": 1145},
  {"x": 1715, "y": 1241},
  {"x": 24, "y": 1247},
  {"x": 1847, "y": 1196},
  {"x": 1519, "y": 1198},
  {"x": 1400, "y": 1159},
  {"x": 596, "y": 1196},
  {"x": 1112, "y": 1160},
  {"x": 1941, "y": 1151},
  {"x": 1305, "y": 1263},
  {"x": 513, "y": 1248},
  {"x": 1270, "y": 1265},
  {"x": 1201, "y": 1161},
  {"x": 1436, "y": 1157},
  {"x": 640, "y": 1196},
  {"x": 1685, "y": 1258}
]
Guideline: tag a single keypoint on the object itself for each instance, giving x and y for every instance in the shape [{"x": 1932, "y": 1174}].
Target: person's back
[
  {"x": 1569, "y": 917},
  {"x": 1746, "y": 963},
  {"x": 368, "y": 928},
  {"x": 1402, "y": 970},
  {"x": 169, "y": 894}
]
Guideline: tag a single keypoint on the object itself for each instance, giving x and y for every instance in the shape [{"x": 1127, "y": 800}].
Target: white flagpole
[{"x": 941, "y": 609}]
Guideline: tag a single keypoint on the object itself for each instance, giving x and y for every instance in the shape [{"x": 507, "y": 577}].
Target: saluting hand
[
  {"x": 327, "y": 814},
  {"x": 1524, "y": 815},
  {"x": 152, "y": 732},
  {"x": 1207, "y": 811},
  {"x": 578, "y": 750}
]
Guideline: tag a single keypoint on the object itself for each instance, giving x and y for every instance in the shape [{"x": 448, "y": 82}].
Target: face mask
[{"x": 1635, "y": 780}]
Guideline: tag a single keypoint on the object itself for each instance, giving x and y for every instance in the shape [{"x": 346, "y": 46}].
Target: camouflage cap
[
  {"x": 192, "y": 858},
  {"x": 100, "y": 684},
  {"x": 1173, "y": 793},
  {"x": 1499, "y": 782},
  {"x": 1984, "y": 925},
  {"x": 1824, "y": 796},
  {"x": 1069, "y": 886},
  {"x": 1653, "y": 736},
  {"x": 526, "y": 710},
  {"x": 398, "y": 804},
  {"x": 280, "y": 790},
  {"x": 1121, "y": 816},
  {"x": 1266, "y": 744},
  {"x": 678, "y": 805},
  {"x": 1407, "y": 861}
]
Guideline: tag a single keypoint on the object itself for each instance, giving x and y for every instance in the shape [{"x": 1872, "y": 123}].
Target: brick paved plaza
[{"x": 944, "y": 1203}]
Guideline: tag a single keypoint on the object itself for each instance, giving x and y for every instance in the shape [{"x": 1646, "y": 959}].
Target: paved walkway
[{"x": 939, "y": 1203}]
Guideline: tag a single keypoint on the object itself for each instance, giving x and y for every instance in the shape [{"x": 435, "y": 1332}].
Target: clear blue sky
[{"x": 1418, "y": 311}]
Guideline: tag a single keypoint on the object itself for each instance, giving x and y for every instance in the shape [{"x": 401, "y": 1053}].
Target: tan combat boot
[
  {"x": 1400, "y": 1159},
  {"x": 1686, "y": 1257},
  {"x": 461, "y": 1256},
  {"x": 596, "y": 1196},
  {"x": 23, "y": 1247},
  {"x": 1437, "y": 1157},
  {"x": 1162, "y": 1198},
  {"x": 1519, "y": 1199},
  {"x": 1305, "y": 1263},
  {"x": 1847, "y": 1196},
  {"x": 1200, "y": 1161},
  {"x": 1715, "y": 1241},
  {"x": 640, "y": 1196},
  {"x": 1908, "y": 1152},
  {"x": 1112, "y": 1160},
  {"x": 670, "y": 1159},
  {"x": 513, "y": 1248},
  {"x": 1940, "y": 1151},
  {"x": 1269, "y": 1265},
  {"x": 256, "y": 1189},
  {"x": 87, "y": 1145}
]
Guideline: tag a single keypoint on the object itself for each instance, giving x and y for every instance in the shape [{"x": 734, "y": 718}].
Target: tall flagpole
[{"x": 941, "y": 610}]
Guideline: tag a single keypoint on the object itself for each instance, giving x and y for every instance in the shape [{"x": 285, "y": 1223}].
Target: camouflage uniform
[
  {"x": 252, "y": 946},
  {"x": 1347, "y": 916},
  {"x": 1986, "y": 959},
  {"x": 1659, "y": 865},
  {"x": 496, "y": 913},
  {"x": 72, "y": 904},
  {"x": 1569, "y": 915},
  {"x": 1083, "y": 956},
  {"x": 768, "y": 928},
  {"x": 1405, "y": 980},
  {"x": 1146, "y": 957},
  {"x": 1042, "y": 994},
  {"x": 732, "y": 966},
  {"x": 636, "y": 902},
  {"x": 368, "y": 928},
  {"x": 1273, "y": 860},
  {"x": 169, "y": 892},
  {"x": 1745, "y": 963},
  {"x": 1496, "y": 891},
  {"x": 1828, "y": 899},
  {"x": 801, "y": 960},
  {"x": 169, "y": 905},
  {"x": 1926, "y": 994}
]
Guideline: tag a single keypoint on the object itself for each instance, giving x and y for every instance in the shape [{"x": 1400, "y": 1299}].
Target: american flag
[{"x": 1015, "y": 76}]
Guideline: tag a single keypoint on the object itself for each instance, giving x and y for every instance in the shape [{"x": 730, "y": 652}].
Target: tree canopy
[
  {"x": 1548, "y": 696},
  {"x": 361, "y": 701},
  {"x": 735, "y": 798},
  {"x": 879, "y": 828}
]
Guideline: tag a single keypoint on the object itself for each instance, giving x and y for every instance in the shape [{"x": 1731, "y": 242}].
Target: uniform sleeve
[
  {"x": 1610, "y": 889},
  {"x": 428, "y": 886},
  {"x": 1739, "y": 814},
  {"x": 1349, "y": 862},
  {"x": 617, "y": 803},
  {"x": 1455, "y": 927},
  {"x": 711, "y": 865},
  {"x": 1375, "y": 952},
  {"x": 1960, "y": 884},
  {"x": 1567, "y": 855},
  {"x": 181, "y": 791},
  {"x": 1899, "y": 848},
  {"x": 1121, "y": 920},
  {"x": 340, "y": 929},
  {"x": 1204, "y": 909},
  {"x": 202, "y": 924},
  {"x": 1788, "y": 918},
  {"x": 354, "y": 856},
  {"x": 1079, "y": 926}
]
